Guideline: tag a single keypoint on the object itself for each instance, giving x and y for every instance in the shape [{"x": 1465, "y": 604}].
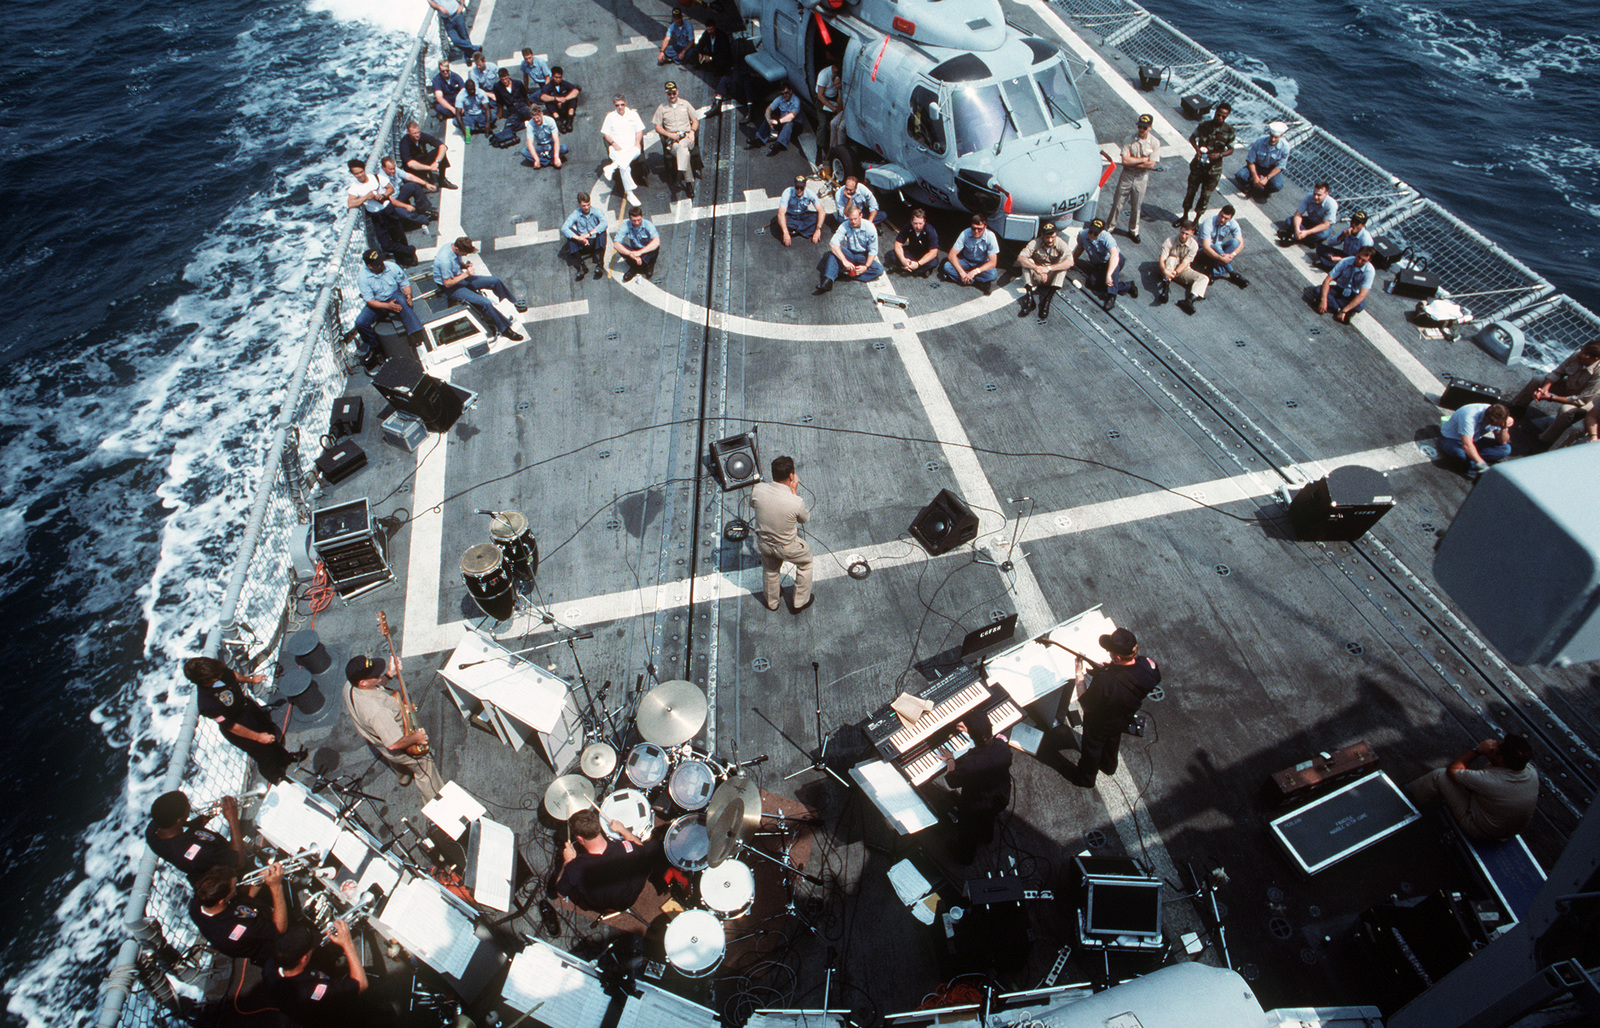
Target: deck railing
[
  {"x": 256, "y": 601},
  {"x": 1486, "y": 279}
]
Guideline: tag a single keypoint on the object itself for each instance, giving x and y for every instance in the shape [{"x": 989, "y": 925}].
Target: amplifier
[
  {"x": 1459, "y": 392},
  {"x": 349, "y": 414},
  {"x": 1387, "y": 253},
  {"x": 1341, "y": 506},
  {"x": 1419, "y": 285},
  {"x": 341, "y": 460},
  {"x": 413, "y": 391},
  {"x": 405, "y": 430},
  {"x": 346, "y": 521}
]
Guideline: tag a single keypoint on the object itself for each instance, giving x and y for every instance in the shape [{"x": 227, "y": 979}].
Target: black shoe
[
  {"x": 754, "y": 144},
  {"x": 548, "y": 919},
  {"x": 808, "y": 604},
  {"x": 627, "y": 276},
  {"x": 775, "y": 149},
  {"x": 582, "y": 271},
  {"x": 1238, "y": 280},
  {"x": 1111, "y": 300},
  {"x": 513, "y": 335},
  {"x": 688, "y": 187},
  {"x": 599, "y": 272},
  {"x": 987, "y": 287},
  {"x": 715, "y": 108},
  {"x": 445, "y": 183},
  {"x": 300, "y": 754},
  {"x": 1163, "y": 294},
  {"x": 1134, "y": 236},
  {"x": 1027, "y": 305},
  {"x": 1133, "y": 290},
  {"x": 521, "y": 307},
  {"x": 1180, "y": 219},
  {"x": 1186, "y": 305},
  {"x": 822, "y": 287}
]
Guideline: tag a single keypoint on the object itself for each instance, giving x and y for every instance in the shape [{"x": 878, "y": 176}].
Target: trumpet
[
  {"x": 306, "y": 858},
  {"x": 212, "y": 809}
]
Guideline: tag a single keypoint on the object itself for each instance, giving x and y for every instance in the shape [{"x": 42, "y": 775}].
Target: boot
[
  {"x": 1048, "y": 293},
  {"x": 1027, "y": 304},
  {"x": 1163, "y": 292}
]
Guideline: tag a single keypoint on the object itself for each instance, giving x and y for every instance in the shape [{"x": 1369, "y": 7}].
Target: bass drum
[
  {"x": 647, "y": 765},
  {"x": 687, "y": 844},
  {"x": 691, "y": 784}
]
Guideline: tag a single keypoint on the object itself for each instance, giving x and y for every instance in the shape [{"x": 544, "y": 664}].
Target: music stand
[{"x": 521, "y": 700}]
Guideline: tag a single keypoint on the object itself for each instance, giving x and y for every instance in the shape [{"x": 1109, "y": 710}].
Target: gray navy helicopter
[{"x": 943, "y": 101}]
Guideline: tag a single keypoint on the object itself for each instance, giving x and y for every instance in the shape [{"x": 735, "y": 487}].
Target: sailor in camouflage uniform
[{"x": 1212, "y": 141}]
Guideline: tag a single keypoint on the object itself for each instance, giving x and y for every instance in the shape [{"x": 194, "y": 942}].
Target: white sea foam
[
  {"x": 182, "y": 419},
  {"x": 1489, "y": 54}
]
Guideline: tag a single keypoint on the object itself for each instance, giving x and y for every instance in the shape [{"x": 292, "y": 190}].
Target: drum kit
[
  {"x": 491, "y": 570},
  {"x": 708, "y": 810}
]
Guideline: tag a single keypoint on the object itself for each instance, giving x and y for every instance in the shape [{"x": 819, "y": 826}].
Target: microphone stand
[{"x": 817, "y": 763}]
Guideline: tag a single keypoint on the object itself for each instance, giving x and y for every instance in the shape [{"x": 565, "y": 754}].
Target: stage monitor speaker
[
  {"x": 413, "y": 391},
  {"x": 1341, "y": 506},
  {"x": 944, "y": 524},
  {"x": 734, "y": 461},
  {"x": 1522, "y": 558},
  {"x": 340, "y": 461},
  {"x": 1459, "y": 392}
]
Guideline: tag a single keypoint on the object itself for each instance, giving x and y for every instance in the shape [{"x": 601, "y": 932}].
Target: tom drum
[
  {"x": 691, "y": 784},
  {"x": 687, "y": 843},
  {"x": 695, "y": 942},
  {"x": 647, "y": 765},
  {"x": 632, "y": 808},
  {"x": 729, "y": 889}
]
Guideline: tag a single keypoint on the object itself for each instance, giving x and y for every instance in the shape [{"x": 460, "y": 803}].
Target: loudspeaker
[
  {"x": 944, "y": 524},
  {"x": 1196, "y": 106},
  {"x": 1419, "y": 285},
  {"x": 340, "y": 461},
  {"x": 1388, "y": 253},
  {"x": 1460, "y": 392},
  {"x": 349, "y": 414},
  {"x": 734, "y": 461},
  {"x": 413, "y": 391},
  {"x": 1341, "y": 506},
  {"x": 1150, "y": 77}
]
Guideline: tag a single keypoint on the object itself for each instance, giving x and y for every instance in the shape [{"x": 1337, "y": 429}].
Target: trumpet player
[
  {"x": 188, "y": 845},
  {"x": 244, "y": 722},
  {"x": 233, "y": 923},
  {"x": 376, "y": 713},
  {"x": 309, "y": 996}
]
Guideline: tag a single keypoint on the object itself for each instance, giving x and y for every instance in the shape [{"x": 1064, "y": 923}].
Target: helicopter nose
[{"x": 1051, "y": 180}]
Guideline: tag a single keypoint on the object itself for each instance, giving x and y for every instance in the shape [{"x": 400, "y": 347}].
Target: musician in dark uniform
[
  {"x": 310, "y": 997},
  {"x": 983, "y": 774},
  {"x": 235, "y": 925},
  {"x": 1114, "y": 695},
  {"x": 188, "y": 845},
  {"x": 244, "y": 722},
  {"x": 602, "y": 874}
]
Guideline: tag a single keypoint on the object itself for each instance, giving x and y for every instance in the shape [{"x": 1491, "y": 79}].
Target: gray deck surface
[{"x": 1272, "y": 649}]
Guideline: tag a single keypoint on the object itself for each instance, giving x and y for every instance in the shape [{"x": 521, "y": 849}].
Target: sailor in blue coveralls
[
  {"x": 1262, "y": 174},
  {"x": 385, "y": 290},
  {"x": 639, "y": 243},
  {"x": 1101, "y": 263},
  {"x": 679, "y": 38},
  {"x": 1312, "y": 221},
  {"x": 855, "y": 193},
  {"x": 453, "y": 274},
  {"x": 544, "y": 147},
  {"x": 797, "y": 213},
  {"x": 777, "y": 125},
  {"x": 477, "y": 110},
  {"x": 974, "y": 256},
  {"x": 1347, "y": 285},
  {"x": 585, "y": 233},
  {"x": 852, "y": 251},
  {"x": 1220, "y": 244},
  {"x": 1346, "y": 243}
]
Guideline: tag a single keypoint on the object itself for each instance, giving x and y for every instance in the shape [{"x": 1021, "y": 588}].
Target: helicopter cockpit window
[
  {"x": 1023, "y": 102},
  {"x": 980, "y": 118},
  {"x": 1061, "y": 98},
  {"x": 924, "y": 125}
]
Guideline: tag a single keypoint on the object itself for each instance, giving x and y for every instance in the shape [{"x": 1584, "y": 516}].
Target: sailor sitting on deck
[
  {"x": 485, "y": 78},
  {"x": 1312, "y": 222},
  {"x": 535, "y": 72},
  {"x": 372, "y": 193},
  {"x": 512, "y": 99},
  {"x": 411, "y": 191},
  {"x": 1478, "y": 434},
  {"x": 560, "y": 98},
  {"x": 447, "y": 85},
  {"x": 1176, "y": 264},
  {"x": 676, "y": 43},
  {"x": 678, "y": 125},
  {"x": 776, "y": 130},
  {"x": 1575, "y": 385},
  {"x": 1262, "y": 174},
  {"x": 853, "y": 250},
  {"x": 457, "y": 277},
  {"x": 602, "y": 874},
  {"x": 916, "y": 247},
  {"x": 1346, "y": 243},
  {"x": 384, "y": 290},
  {"x": 1045, "y": 262},
  {"x": 544, "y": 148},
  {"x": 1101, "y": 263},
  {"x": 585, "y": 233},
  {"x": 797, "y": 212},
  {"x": 973, "y": 257},
  {"x": 623, "y": 133},
  {"x": 639, "y": 243},
  {"x": 1347, "y": 285},
  {"x": 856, "y": 193},
  {"x": 477, "y": 110},
  {"x": 453, "y": 18},
  {"x": 1491, "y": 803},
  {"x": 1220, "y": 244}
]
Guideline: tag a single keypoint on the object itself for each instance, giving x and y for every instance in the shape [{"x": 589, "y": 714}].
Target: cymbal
[
  {"x": 732, "y": 813},
  {"x": 598, "y": 760},
  {"x": 672, "y": 713},
  {"x": 567, "y": 795},
  {"x": 724, "y": 832}
]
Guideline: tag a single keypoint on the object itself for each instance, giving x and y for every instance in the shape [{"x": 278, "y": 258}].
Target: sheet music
[
  {"x": 908, "y": 882},
  {"x": 570, "y": 995},
  {"x": 1032, "y": 670},
  {"x": 658, "y": 1008},
  {"x": 453, "y": 810},
  {"x": 292, "y": 819},
  {"x": 889, "y": 791},
  {"x": 494, "y": 865},
  {"x": 427, "y": 925}
]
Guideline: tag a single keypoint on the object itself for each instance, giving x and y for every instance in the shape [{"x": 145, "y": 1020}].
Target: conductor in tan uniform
[{"x": 779, "y": 514}]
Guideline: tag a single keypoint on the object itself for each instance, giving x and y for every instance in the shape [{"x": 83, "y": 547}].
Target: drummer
[{"x": 601, "y": 874}]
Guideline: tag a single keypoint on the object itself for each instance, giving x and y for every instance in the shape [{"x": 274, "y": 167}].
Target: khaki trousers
[{"x": 798, "y": 554}]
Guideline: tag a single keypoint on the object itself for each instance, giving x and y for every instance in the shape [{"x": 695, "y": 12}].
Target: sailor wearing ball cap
[
  {"x": 1101, "y": 263},
  {"x": 1140, "y": 153},
  {"x": 797, "y": 212},
  {"x": 1045, "y": 261},
  {"x": 1112, "y": 698},
  {"x": 1262, "y": 174},
  {"x": 375, "y": 711}
]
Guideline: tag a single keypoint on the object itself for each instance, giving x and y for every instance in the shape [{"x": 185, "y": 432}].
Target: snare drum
[
  {"x": 488, "y": 583},
  {"x": 691, "y": 784},
  {"x": 695, "y": 942},
  {"x": 509, "y": 530},
  {"x": 687, "y": 844},
  {"x": 729, "y": 889},
  {"x": 632, "y": 808},
  {"x": 647, "y": 765}
]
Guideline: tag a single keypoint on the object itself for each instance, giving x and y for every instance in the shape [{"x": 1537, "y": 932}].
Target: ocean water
[{"x": 163, "y": 232}]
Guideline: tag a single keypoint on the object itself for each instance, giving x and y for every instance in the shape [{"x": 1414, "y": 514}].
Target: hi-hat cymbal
[
  {"x": 598, "y": 760},
  {"x": 672, "y": 713},
  {"x": 567, "y": 795},
  {"x": 725, "y": 832}
]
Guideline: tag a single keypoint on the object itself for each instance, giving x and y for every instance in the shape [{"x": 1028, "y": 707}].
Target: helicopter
[{"x": 944, "y": 101}]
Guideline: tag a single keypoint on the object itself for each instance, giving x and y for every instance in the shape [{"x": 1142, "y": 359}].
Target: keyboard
[
  {"x": 930, "y": 764},
  {"x": 952, "y": 695}
]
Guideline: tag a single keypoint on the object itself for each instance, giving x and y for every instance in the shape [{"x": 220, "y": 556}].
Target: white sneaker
[{"x": 633, "y": 200}]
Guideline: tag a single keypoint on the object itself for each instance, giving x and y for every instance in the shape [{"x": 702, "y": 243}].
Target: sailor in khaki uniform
[
  {"x": 1044, "y": 261},
  {"x": 1140, "y": 154},
  {"x": 779, "y": 514}
]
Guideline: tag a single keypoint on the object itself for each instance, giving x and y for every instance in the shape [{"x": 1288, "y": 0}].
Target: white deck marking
[
  {"x": 634, "y": 43},
  {"x": 1412, "y": 369}
]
